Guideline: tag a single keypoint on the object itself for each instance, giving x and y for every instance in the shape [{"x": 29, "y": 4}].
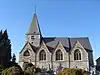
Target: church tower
[{"x": 33, "y": 35}]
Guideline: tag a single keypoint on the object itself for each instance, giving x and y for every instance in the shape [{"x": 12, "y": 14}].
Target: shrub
[
  {"x": 38, "y": 70},
  {"x": 72, "y": 71},
  {"x": 1, "y": 69},
  {"x": 32, "y": 70},
  {"x": 15, "y": 70},
  {"x": 4, "y": 72}
]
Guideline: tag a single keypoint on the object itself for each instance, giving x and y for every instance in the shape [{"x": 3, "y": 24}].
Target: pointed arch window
[
  {"x": 59, "y": 55},
  {"x": 26, "y": 53},
  {"x": 42, "y": 55},
  {"x": 77, "y": 55}
]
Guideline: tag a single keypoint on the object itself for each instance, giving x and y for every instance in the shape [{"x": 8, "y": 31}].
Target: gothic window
[
  {"x": 26, "y": 53},
  {"x": 59, "y": 55},
  {"x": 77, "y": 55},
  {"x": 42, "y": 55}
]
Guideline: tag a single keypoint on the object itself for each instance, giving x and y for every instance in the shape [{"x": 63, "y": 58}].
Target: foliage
[
  {"x": 38, "y": 70},
  {"x": 15, "y": 70},
  {"x": 10, "y": 64},
  {"x": 31, "y": 70},
  {"x": 14, "y": 59},
  {"x": 4, "y": 72},
  {"x": 72, "y": 71},
  {"x": 28, "y": 70},
  {"x": 1, "y": 68},
  {"x": 7, "y": 45},
  {"x": 5, "y": 48}
]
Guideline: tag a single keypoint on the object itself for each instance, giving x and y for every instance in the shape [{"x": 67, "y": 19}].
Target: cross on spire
[{"x": 35, "y": 10}]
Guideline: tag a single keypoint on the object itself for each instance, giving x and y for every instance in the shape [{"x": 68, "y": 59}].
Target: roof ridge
[
  {"x": 77, "y": 37},
  {"x": 65, "y": 37}
]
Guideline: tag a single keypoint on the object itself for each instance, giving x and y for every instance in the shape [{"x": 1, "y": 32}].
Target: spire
[{"x": 34, "y": 27}]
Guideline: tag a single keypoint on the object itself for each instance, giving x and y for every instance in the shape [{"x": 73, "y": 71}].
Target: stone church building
[{"x": 47, "y": 52}]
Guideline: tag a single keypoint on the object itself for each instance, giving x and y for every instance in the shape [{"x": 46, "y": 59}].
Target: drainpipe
[
  {"x": 51, "y": 61},
  {"x": 35, "y": 59},
  {"x": 69, "y": 42}
]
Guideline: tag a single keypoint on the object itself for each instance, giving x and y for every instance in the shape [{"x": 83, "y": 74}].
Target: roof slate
[
  {"x": 98, "y": 59},
  {"x": 53, "y": 41},
  {"x": 34, "y": 27}
]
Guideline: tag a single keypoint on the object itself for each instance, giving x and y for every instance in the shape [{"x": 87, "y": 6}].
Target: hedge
[{"x": 72, "y": 71}]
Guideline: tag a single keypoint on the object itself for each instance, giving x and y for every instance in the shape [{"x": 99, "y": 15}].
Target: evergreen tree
[
  {"x": 0, "y": 34},
  {"x": 7, "y": 45},
  {"x": 5, "y": 49},
  {"x": 14, "y": 58},
  {"x": 1, "y": 37}
]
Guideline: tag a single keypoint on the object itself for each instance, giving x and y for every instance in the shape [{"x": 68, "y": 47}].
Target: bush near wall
[
  {"x": 29, "y": 71},
  {"x": 32, "y": 70},
  {"x": 72, "y": 71},
  {"x": 15, "y": 70}
]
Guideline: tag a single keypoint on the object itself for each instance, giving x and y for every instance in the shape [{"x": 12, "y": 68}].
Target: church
[{"x": 47, "y": 52}]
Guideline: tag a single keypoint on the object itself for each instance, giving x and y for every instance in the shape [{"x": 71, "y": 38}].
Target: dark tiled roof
[
  {"x": 53, "y": 41},
  {"x": 84, "y": 41},
  {"x": 98, "y": 59}
]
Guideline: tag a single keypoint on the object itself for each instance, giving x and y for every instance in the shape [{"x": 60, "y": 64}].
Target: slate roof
[
  {"x": 98, "y": 59},
  {"x": 53, "y": 41},
  {"x": 84, "y": 41},
  {"x": 34, "y": 27}
]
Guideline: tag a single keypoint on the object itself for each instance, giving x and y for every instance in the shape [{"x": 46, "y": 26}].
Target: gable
[
  {"x": 77, "y": 45},
  {"x": 84, "y": 53},
  {"x": 43, "y": 46},
  {"x": 83, "y": 41},
  {"x": 60, "y": 46},
  {"x": 27, "y": 46}
]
